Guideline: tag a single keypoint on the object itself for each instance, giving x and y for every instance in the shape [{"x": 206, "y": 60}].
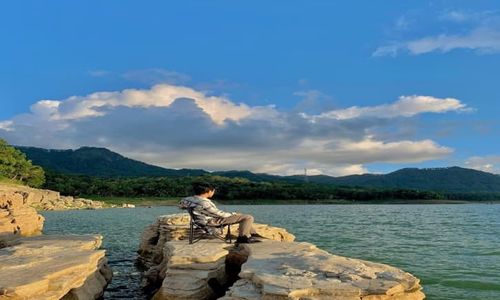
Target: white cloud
[
  {"x": 481, "y": 40},
  {"x": 6, "y": 125},
  {"x": 406, "y": 106},
  {"x": 468, "y": 30},
  {"x": 180, "y": 127},
  {"x": 162, "y": 95},
  {"x": 460, "y": 16},
  {"x": 455, "y": 16},
  {"x": 489, "y": 163}
]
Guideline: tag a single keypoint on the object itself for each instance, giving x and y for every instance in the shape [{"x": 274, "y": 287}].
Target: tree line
[
  {"x": 15, "y": 167},
  {"x": 227, "y": 188}
]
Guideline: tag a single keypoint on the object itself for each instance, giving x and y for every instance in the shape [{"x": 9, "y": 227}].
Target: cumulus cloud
[
  {"x": 180, "y": 127},
  {"x": 406, "y": 106},
  {"x": 162, "y": 95},
  {"x": 489, "y": 163}
]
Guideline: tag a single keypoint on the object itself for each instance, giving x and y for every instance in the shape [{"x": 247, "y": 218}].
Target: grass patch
[{"x": 4, "y": 180}]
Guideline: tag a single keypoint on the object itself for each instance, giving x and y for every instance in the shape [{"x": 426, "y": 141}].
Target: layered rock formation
[
  {"x": 277, "y": 268},
  {"x": 175, "y": 227},
  {"x": 177, "y": 270},
  {"x": 45, "y": 266},
  {"x": 17, "y": 218},
  {"x": 49, "y": 200},
  {"x": 53, "y": 267}
]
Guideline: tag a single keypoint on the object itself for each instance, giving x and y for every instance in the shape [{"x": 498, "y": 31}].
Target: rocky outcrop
[
  {"x": 193, "y": 272},
  {"x": 49, "y": 200},
  {"x": 175, "y": 227},
  {"x": 17, "y": 218},
  {"x": 53, "y": 267},
  {"x": 277, "y": 268},
  {"x": 45, "y": 266},
  {"x": 177, "y": 270}
]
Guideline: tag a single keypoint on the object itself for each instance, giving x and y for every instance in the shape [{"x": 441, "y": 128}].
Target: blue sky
[{"x": 270, "y": 86}]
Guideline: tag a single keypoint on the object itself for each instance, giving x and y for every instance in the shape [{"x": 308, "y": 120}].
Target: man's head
[{"x": 203, "y": 189}]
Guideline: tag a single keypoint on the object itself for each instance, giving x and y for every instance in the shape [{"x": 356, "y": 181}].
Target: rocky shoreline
[
  {"x": 36, "y": 266},
  {"x": 48, "y": 200},
  {"x": 277, "y": 268}
]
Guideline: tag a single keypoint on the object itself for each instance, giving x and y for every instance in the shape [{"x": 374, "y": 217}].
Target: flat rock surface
[
  {"x": 52, "y": 266},
  {"x": 294, "y": 270}
]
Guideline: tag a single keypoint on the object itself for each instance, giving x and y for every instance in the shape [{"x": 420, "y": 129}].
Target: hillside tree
[{"x": 15, "y": 166}]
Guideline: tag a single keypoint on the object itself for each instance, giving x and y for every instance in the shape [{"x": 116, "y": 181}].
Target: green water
[{"x": 453, "y": 249}]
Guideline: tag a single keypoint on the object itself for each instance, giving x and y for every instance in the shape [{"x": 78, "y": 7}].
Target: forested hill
[
  {"x": 452, "y": 179},
  {"x": 99, "y": 162},
  {"x": 102, "y": 162}
]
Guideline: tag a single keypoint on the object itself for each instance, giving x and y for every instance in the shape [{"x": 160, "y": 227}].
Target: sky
[{"x": 334, "y": 87}]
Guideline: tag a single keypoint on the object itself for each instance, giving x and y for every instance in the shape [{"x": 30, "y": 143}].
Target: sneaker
[
  {"x": 246, "y": 240},
  {"x": 256, "y": 235}
]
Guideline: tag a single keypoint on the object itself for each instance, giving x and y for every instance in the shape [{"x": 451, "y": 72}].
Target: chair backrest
[{"x": 194, "y": 217}]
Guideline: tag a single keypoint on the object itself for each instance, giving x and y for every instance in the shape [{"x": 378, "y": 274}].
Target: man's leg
[{"x": 245, "y": 223}]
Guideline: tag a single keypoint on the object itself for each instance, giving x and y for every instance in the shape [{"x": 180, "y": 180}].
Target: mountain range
[
  {"x": 99, "y": 162},
  {"x": 102, "y": 162}
]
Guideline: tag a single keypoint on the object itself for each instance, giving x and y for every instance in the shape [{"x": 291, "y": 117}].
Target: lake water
[{"x": 453, "y": 249}]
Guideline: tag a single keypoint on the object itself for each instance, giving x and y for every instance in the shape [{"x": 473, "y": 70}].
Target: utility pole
[{"x": 305, "y": 175}]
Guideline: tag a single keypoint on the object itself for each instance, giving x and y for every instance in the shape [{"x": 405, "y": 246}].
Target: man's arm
[{"x": 213, "y": 211}]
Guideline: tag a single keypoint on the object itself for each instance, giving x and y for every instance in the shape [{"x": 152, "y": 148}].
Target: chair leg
[
  {"x": 191, "y": 232},
  {"x": 228, "y": 236}
]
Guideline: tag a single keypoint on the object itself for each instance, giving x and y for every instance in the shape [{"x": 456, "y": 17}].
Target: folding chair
[{"x": 206, "y": 231}]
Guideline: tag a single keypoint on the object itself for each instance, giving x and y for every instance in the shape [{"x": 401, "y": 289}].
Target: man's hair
[{"x": 202, "y": 188}]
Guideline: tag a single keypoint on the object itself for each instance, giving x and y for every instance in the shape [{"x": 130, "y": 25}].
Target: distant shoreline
[{"x": 158, "y": 201}]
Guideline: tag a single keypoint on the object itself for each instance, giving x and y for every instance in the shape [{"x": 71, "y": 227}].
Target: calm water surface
[{"x": 453, "y": 249}]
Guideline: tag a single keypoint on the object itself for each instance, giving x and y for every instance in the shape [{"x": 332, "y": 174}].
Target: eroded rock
[
  {"x": 295, "y": 270},
  {"x": 277, "y": 268},
  {"x": 53, "y": 267},
  {"x": 46, "y": 199},
  {"x": 17, "y": 218},
  {"x": 175, "y": 227},
  {"x": 193, "y": 271},
  {"x": 182, "y": 271}
]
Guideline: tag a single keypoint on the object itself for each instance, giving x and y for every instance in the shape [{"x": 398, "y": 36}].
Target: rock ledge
[
  {"x": 53, "y": 267},
  {"x": 277, "y": 268}
]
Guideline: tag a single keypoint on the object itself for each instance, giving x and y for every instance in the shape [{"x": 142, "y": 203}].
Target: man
[{"x": 208, "y": 213}]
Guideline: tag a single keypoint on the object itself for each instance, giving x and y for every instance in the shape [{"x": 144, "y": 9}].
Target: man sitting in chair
[{"x": 208, "y": 213}]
